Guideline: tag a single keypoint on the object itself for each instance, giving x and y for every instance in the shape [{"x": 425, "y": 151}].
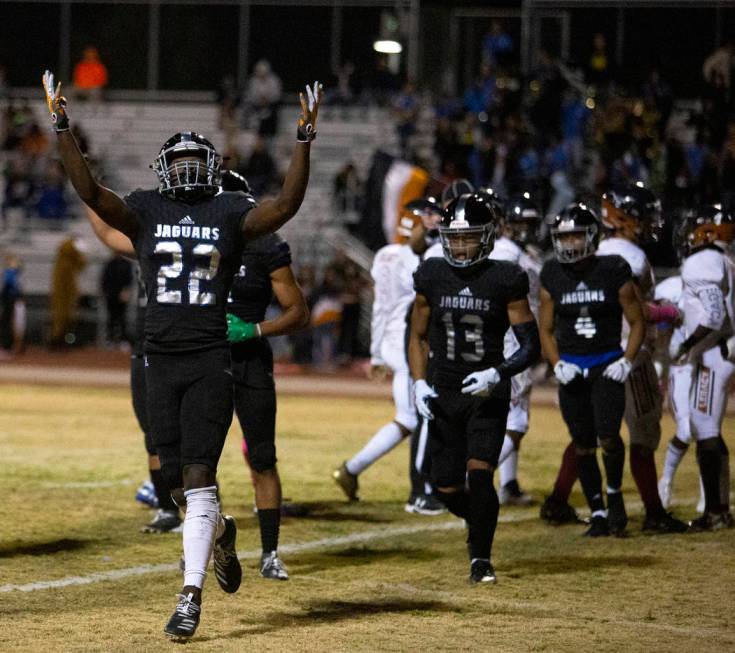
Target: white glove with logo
[
  {"x": 566, "y": 372},
  {"x": 422, "y": 393},
  {"x": 480, "y": 383},
  {"x": 619, "y": 370}
]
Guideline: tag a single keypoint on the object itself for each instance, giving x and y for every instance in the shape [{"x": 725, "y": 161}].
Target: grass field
[{"x": 364, "y": 577}]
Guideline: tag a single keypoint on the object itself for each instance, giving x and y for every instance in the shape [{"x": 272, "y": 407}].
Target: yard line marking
[
  {"x": 86, "y": 485},
  {"x": 298, "y": 547}
]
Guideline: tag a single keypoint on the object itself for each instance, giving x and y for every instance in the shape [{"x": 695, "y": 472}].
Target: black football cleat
[
  {"x": 185, "y": 619},
  {"x": 598, "y": 527},
  {"x": 617, "y": 519},
  {"x": 227, "y": 567},
  {"x": 663, "y": 524},
  {"x": 711, "y": 521},
  {"x": 165, "y": 521},
  {"x": 556, "y": 511},
  {"x": 481, "y": 571},
  {"x": 425, "y": 504}
]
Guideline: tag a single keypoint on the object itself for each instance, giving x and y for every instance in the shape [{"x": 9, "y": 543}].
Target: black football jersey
[
  {"x": 188, "y": 254},
  {"x": 469, "y": 316},
  {"x": 251, "y": 291},
  {"x": 588, "y": 318}
]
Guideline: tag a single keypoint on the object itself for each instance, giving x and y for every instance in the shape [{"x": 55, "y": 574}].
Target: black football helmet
[
  {"x": 522, "y": 219},
  {"x": 467, "y": 230},
  {"x": 234, "y": 181},
  {"x": 575, "y": 219},
  {"x": 634, "y": 212},
  {"x": 188, "y": 167},
  {"x": 706, "y": 225},
  {"x": 454, "y": 189}
]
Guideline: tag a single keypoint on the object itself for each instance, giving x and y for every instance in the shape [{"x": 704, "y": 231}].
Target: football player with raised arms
[
  {"x": 583, "y": 300},
  {"x": 188, "y": 237},
  {"x": 465, "y": 303},
  {"x": 708, "y": 280}
]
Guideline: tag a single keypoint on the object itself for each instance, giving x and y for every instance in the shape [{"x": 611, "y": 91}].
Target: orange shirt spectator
[{"x": 90, "y": 73}]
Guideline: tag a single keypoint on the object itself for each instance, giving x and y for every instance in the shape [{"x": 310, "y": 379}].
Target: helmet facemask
[
  {"x": 571, "y": 252},
  {"x": 464, "y": 245},
  {"x": 188, "y": 170}
]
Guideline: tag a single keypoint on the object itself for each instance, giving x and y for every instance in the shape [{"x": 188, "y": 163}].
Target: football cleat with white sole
[
  {"x": 665, "y": 489},
  {"x": 425, "y": 504},
  {"x": 271, "y": 566},
  {"x": 227, "y": 567},
  {"x": 512, "y": 495},
  {"x": 165, "y": 521},
  {"x": 481, "y": 571},
  {"x": 711, "y": 521},
  {"x": 185, "y": 619}
]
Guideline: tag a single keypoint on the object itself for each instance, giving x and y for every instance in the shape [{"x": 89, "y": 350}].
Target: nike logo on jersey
[
  {"x": 465, "y": 291},
  {"x": 186, "y": 220},
  {"x": 583, "y": 296},
  {"x": 186, "y": 231}
]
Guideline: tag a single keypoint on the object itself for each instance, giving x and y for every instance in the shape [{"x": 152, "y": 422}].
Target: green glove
[{"x": 238, "y": 330}]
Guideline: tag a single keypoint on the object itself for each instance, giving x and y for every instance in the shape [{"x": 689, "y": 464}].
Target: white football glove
[
  {"x": 423, "y": 393},
  {"x": 566, "y": 372},
  {"x": 619, "y": 370},
  {"x": 480, "y": 383}
]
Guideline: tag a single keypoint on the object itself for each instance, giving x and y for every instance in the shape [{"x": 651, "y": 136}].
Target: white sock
[
  {"x": 671, "y": 462},
  {"x": 201, "y": 524},
  {"x": 508, "y": 469},
  {"x": 507, "y": 449},
  {"x": 379, "y": 445}
]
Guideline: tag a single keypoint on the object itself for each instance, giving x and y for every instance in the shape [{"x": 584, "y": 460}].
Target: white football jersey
[
  {"x": 506, "y": 249},
  {"x": 392, "y": 272},
  {"x": 708, "y": 278},
  {"x": 636, "y": 258}
]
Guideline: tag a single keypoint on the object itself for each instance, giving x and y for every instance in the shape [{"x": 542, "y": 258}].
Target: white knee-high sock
[
  {"x": 507, "y": 461},
  {"x": 671, "y": 462},
  {"x": 379, "y": 445},
  {"x": 201, "y": 525}
]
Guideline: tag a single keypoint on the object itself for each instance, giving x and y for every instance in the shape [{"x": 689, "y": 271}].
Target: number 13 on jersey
[{"x": 206, "y": 257}]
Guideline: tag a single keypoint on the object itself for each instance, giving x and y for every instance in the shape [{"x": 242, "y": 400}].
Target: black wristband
[
  {"x": 305, "y": 133},
  {"x": 530, "y": 349}
]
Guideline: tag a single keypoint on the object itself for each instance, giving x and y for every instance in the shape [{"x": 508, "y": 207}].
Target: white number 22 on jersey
[{"x": 174, "y": 269}]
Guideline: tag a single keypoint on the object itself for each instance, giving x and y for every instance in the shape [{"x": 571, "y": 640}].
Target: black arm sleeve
[{"x": 530, "y": 349}]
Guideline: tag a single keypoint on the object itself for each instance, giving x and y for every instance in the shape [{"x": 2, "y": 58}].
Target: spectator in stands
[
  {"x": 228, "y": 99},
  {"x": 658, "y": 95},
  {"x": 70, "y": 261},
  {"x": 405, "y": 114},
  {"x": 12, "y": 307},
  {"x": 347, "y": 190},
  {"x": 497, "y": 45},
  {"x": 717, "y": 68},
  {"x": 548, "y": 86},
  {"x": 480, "y": 97},
  {"x": 348, "y": 345},
  {"x": 262, "y": 96},
  {"x": 19, "y": 190},
  {"x": 260, "y": 168},
  {"x": 380, "y": 84},
  {"x": 557, "y": 167},
  {"x": 117, "y": 282},
  {"x": 574, "y": 116},
  {"x": 727, "y": 169},
  {"x": 598, "y": 71},
  {"x": 34, "y": 142},
  {"x": 90, "y": 75},
  {"x": 326, "y": 315},
  {"x": 51, "y": 204}
]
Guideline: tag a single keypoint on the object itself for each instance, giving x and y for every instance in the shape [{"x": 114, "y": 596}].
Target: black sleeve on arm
[{"x": 530, "y": 349}]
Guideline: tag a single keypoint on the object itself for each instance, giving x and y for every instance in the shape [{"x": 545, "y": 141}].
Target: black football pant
[{"x": 592, "y": 407}]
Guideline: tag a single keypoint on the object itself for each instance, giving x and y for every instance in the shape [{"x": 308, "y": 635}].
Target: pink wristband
[{"x": 667, "y": 313}]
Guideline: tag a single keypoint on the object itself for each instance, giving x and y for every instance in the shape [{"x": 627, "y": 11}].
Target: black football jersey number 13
[
  {"x": 469, "y": 316},
  {"x": 188, "y": 254}
]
